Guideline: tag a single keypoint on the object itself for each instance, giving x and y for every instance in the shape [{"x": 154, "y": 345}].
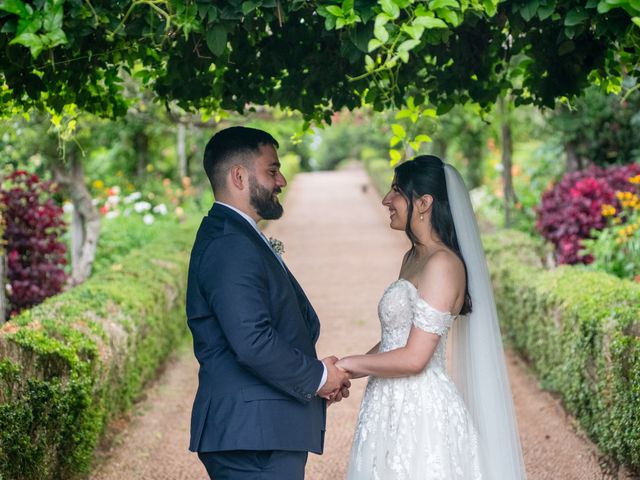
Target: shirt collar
[{"x": 251, "y": 221}]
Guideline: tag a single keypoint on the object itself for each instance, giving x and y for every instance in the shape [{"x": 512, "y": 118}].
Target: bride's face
[{"x": 398, "y": 207}]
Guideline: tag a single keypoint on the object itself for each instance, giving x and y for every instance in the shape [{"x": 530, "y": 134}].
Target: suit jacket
[{"x": 254, "y": 334}]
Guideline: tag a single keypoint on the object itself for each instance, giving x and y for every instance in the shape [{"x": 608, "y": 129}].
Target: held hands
[{"x": 337, "y": 385}]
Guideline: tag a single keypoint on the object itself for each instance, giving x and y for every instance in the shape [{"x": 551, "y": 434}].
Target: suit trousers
[{"x": 254, "y": 464}]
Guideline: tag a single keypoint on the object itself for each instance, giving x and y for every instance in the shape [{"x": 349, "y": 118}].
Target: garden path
[{"x": 340, "y": 248}]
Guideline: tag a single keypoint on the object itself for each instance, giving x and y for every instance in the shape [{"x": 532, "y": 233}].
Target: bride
[{"x": 416, "y": 422}]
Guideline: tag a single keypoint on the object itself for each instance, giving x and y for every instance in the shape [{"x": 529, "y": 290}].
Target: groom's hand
[{"x": 337, "y": 380}]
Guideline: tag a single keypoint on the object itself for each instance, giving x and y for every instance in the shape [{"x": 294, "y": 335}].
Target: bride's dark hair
[{"x": 424, "y": 175}]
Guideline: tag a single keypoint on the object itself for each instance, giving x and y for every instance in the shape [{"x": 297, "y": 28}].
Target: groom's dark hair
[{"x": 232, "y": 146}]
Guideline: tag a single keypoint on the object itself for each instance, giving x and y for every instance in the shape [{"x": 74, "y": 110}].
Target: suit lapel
[{"x": 240, "y": 223}]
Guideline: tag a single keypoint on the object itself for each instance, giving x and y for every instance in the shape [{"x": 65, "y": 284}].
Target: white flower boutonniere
[{"x": 277, "y": 245}]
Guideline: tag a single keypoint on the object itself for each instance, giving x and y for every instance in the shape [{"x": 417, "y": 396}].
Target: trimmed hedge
[
  {"x": 70, "y": 364},
  {"x": 580, "y": 331}
]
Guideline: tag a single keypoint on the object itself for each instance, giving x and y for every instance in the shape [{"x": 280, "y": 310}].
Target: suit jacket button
[{"x": 308, "y": 395}]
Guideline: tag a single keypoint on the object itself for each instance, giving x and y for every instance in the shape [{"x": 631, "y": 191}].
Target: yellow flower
[
  {"x": 608, "y": 210},
  {"x": 617, "y": 220},
  {"x": 98, "y": 184},
  {"x": 635, "y": 180},
  {"x": 149, "y": 168}
]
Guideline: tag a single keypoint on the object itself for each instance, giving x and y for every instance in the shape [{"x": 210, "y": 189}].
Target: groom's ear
[{"x": 239, "y": 177}]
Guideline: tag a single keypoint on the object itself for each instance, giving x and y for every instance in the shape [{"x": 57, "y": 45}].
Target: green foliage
[
  {"x": 579, "y": 331},
  {"x": 345, "y": 138},
  {"x": 601, "y": 128},
  {"x": 465, "y": 132},
  {"x": 380, "y": 173},
  {"x": 230, "y": 54},
  {"x": 75, "y": 361},
  {"x": 409, "y": 130}
]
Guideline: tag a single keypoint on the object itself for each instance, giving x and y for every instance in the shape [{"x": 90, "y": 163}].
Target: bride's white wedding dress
[{"x": 416, "y": 427}]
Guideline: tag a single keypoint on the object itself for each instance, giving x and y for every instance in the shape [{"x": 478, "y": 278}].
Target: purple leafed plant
[
  {"x": 571, "y": 208},
  {"x": 35, "y": 254}
]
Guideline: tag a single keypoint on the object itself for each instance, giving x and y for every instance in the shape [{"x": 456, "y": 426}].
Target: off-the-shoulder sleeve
[{"x": 427, "y": 318}]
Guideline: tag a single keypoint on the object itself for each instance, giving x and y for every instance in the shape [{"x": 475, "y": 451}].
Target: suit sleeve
[{"x": 233, "y": 279}]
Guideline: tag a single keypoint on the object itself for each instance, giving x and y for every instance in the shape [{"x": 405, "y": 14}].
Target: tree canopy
[{"x": 312, "y": 56}]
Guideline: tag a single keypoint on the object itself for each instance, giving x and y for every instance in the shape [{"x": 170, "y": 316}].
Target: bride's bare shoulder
[{"x": 442, "y": 280}]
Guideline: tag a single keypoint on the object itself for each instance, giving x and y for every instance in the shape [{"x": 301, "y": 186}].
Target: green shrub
[
  {"x": 380, "y": 172},
  {"x": 580, "y": 332},
  {"x": 70, "y": 364}
]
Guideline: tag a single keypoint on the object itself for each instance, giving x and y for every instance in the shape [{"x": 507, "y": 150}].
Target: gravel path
[{"x": 340, "y": 248}]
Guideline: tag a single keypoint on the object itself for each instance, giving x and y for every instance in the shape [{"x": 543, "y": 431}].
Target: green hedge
[
  {"x": 580, "y": 331},
  {"x": 70, "y": 364},
  {"x": 380, "y": 172}
]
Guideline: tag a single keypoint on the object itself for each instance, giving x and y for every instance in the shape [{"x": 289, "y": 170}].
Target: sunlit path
[{"x": 338, "y": 244}]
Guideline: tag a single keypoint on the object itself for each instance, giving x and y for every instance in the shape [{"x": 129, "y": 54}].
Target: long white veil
[{"x": 477, "y": 358}]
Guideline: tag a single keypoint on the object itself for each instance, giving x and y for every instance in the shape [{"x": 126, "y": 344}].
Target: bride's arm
[
  {"x": 374, "y": 349},
  {"x": 443, "y": 281},
  {"x": 401, "y": 362}
]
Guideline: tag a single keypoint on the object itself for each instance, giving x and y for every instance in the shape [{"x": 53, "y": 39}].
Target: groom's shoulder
[{"x": 221, "y": 238}]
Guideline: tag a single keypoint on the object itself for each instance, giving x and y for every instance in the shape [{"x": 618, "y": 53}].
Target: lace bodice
[{"x": 400, "y": 308}]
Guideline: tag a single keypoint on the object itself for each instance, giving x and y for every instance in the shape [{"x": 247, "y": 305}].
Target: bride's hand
[{"x": 347, "y": 364}]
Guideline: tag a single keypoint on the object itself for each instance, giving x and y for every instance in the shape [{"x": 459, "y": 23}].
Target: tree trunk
[
  {"x": 474, "y": 156},
  {"x": 182, "y": 151},
  {"x": 440, "y": 148},
  {"x": 507, "y": 163},
  {"x": 4, "y": 307},
  {"x": 141, "y": 143},
  {"x": 85, "y": 227},
  {"x": 574, "y": 162}
]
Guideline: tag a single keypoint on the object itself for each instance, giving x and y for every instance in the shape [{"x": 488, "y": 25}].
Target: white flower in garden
[
  {"x": 113, "y": 199},
  {"x": 148, "y": 219},
  {"x": 160, "y": 209},
  {"x": 132, "y": 197},
  {"x": 95, "y": 202},
  {"x": 142, "y": 207},
  {"x": 112, "y": 214},
  {"x": 67, "y": 207}
]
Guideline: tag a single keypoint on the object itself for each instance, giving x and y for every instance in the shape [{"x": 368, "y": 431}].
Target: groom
[{"x": 259, "y": 408}]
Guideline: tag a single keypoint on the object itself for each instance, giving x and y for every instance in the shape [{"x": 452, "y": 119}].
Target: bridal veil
[{"x": 478, "y": 366}]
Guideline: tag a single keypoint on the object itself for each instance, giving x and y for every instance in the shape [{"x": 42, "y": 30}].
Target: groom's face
[{"x": 265, "y": 183}]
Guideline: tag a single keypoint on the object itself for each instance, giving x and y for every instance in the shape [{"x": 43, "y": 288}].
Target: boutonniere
[{"x": 277, "y": 245}]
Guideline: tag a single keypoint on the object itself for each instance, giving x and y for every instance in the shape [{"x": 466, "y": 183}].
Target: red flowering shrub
[
  {"x": 33, "y": 227},
  {"x": 573, "y": 207}
]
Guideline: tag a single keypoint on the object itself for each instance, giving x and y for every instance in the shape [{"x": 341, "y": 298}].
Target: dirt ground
[{"x": 338, "y": 244}]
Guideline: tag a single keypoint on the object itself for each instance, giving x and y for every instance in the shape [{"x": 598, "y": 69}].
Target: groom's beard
[{"x": 264, "y": 201}]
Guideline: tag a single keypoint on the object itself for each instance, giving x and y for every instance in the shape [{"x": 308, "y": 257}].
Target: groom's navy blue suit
[{"x": 254, "y": 334}]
